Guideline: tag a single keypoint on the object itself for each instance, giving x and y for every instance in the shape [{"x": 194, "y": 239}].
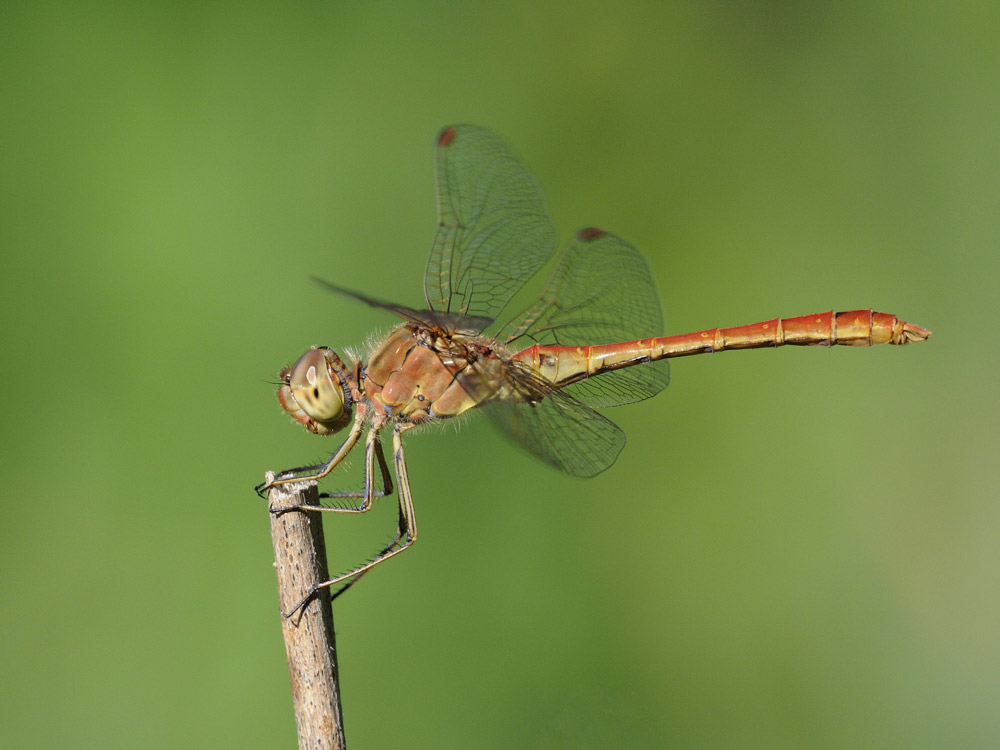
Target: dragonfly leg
[
  {"x": 406, "y": 531},
  {"x": 316, "y": 472},
  {"x": 373, "y": 453}
]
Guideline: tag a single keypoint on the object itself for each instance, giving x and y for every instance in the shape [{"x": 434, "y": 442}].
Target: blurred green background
[{"x": 798, "y": 548}]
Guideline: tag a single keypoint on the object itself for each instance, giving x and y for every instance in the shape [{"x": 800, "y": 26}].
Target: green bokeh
[{"x": 797, "y": 548}]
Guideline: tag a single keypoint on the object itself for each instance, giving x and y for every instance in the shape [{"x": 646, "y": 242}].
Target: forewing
[
  {"x": 493, "y": 231},
  {"x": 600, "y": 292},
  {"x": 423, "y": 317}
]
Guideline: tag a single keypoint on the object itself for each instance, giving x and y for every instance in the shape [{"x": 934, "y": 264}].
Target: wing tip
[
  {"x": 590, "y": 234},
  {"x": 446, "y": 136}
]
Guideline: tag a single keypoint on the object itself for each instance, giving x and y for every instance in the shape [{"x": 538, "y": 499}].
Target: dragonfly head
[{"x": 312, "y": 392}]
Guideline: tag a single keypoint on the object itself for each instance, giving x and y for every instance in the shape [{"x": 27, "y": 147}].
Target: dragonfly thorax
[
  {"x": 313, "y": 394},
  {"x": 419, "y": 373}
]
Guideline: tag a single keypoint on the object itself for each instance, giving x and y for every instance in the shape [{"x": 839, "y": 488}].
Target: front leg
[
  {"x": 317, "y": 471},
  {"x": 373, "y": 452}
]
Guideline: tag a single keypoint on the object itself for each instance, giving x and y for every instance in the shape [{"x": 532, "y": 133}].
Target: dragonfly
[{"x": 593, "y": 339}]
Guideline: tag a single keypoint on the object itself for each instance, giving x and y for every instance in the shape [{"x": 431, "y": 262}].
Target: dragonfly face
[{"x": 313, "y": 394}]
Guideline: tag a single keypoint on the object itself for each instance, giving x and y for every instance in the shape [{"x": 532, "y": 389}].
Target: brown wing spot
[
  {"x": 589, "y": 234},
  {"x": 446, "y": 136}
]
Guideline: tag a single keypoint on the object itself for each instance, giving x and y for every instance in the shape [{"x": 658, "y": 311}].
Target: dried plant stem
[{"x": 300, "y": 562}]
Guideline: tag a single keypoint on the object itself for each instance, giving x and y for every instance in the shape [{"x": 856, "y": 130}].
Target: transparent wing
[
  {"x": 600, "y": 292},
  {"x": 561, "y": 431},
  {"x": 432, "y": 318},
  {"x": 493, "y": 231}
]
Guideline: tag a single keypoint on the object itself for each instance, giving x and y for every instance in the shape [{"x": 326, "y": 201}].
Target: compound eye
[{"x": 314, "y": 388}]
